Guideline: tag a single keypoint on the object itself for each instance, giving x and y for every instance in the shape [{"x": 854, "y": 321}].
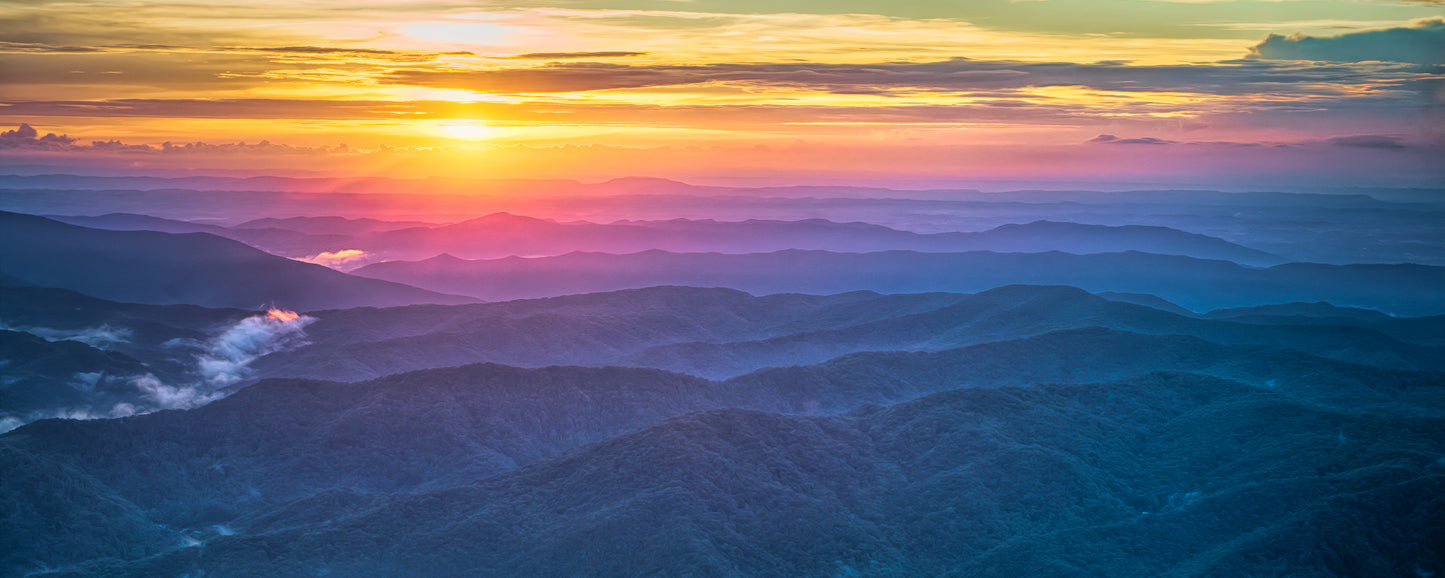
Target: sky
[{"x": 1211, "y": 92}]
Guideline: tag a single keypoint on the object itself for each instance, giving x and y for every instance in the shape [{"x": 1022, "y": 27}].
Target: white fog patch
[
  {"x": 10, "y": 422},
  {"x": 172, "y": 396},
  {"x": 124, "y": 409},
  {"x": 343, "y": 260},
  {"x": 182, "y": 343},
  {"x": 98, "y": 337},
  {"x": 224, "y": 363}
]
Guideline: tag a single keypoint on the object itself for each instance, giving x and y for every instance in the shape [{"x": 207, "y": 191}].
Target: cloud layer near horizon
[{"x": 302, "y": 79}]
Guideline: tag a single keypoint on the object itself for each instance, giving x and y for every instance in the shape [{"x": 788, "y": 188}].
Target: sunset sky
[{"x": 1340, "y": 92}]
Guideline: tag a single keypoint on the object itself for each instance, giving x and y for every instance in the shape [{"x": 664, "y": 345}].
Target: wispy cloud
[
  {"x": 99, "y": 337},
  {"x": 953, "y": 75},
  {"x": 343, "y": 260},
  {"x": 228, "y": 354},
  {"x": 1111, "y": 139},
  {"x": 572, "y": 55},
  {"x": 1369, "y": 141}
]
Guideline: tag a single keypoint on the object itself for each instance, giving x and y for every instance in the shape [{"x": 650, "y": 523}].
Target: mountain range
[
  {"x": 1338, "y": 228},
  {"x": 68, "y": 354},
  {"x": 504, "y": 235},
  {"x": 1196, "y": 284},
  {"x": 209, "y": 376}
]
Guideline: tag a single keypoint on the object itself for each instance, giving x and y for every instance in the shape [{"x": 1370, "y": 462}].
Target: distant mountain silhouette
[
  {"x": 503, "y": 235},
  {"x": 1392, "y": 226},
  {"x": 330, "y": 225},
  {"x": 196, "y": 268},
  {"x": 277, "y": 240},
  {"x": 1193, "y": 283}
]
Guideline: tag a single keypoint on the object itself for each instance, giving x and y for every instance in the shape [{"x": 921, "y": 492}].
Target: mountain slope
[
  {"x": 503, "y": 234},
  {"x": 245, "y": 457},
  {"x": 720, "y": 333},
  {"x": 275, "y": 240},
  {"x": 1022, "y": 310},
  {"x": 196, "y": 268},
  {"x": 590, "y": 329},
  {"x": 1162, "y": 474}
]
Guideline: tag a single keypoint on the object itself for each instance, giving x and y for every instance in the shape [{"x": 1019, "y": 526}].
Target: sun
[{"x": 466, "y": 130}]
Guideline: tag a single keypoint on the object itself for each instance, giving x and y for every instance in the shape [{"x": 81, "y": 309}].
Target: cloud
[
  {"x": 171, "y": 396},
  {"x": 98, "y": 337},
  {"x": 309, "y": 50},
  {"x": 1369, "y": 141},
  {"x": 566, "y": 55},
  {"x": 344, "y": 259},
  {"x": 228, "y": 355},
  {"x": 41, "y": 47},
  {"x": 1240, "y": 77},
  {"x": 27, "y": 138},
  {"x": 1111, "y": 139},
  {"x": 1423, "y": 42}
]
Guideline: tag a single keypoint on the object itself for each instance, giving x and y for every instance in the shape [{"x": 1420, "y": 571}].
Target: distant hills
[
  {"x": 722, "y": 333},
  {"x": 194, "y": 268},
  {"x": 1367, "y": 226},
  {"x": 1196, "y": 284},
  {"x": 504, "y": 235}
]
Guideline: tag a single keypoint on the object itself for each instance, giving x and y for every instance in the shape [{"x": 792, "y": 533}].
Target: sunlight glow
[
  {"x": 469, "y": 130},
  {"x": 282, "y": 315}
]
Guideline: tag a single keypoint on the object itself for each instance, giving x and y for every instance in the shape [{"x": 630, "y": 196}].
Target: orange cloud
[{"x": 343, "y": 259}]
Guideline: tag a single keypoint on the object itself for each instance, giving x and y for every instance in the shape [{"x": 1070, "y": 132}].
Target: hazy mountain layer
[
  {"x": 1193, "y": 283},
  {"x": 1325, "y": 228},
  {"x": 503, "y": 235}
]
